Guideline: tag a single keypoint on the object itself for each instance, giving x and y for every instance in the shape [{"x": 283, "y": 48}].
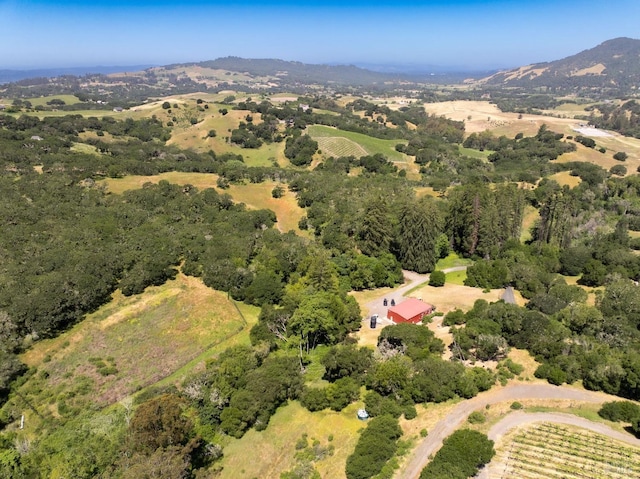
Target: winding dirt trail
[{"x": 459, "y": 414}]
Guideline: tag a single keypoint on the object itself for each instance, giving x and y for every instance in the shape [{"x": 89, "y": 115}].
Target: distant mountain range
[
  {"x": 613, "y": 65},
  {"x": 612, "y": 68}
]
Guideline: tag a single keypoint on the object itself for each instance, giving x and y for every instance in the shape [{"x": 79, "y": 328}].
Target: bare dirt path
[
  {"x": 517, "y": 419},
  {"x": 459, "y": 414}
]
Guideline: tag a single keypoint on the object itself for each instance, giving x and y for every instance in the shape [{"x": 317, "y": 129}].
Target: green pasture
[
  {"x": 42, "y": 100},
  {"x": 452, "y": 261},
  {"x": 85, "y": 148},
  {"x": 334, "y": 142},
  {"x": 471, "y": 153},
  {"x": 61, "y": 113}
]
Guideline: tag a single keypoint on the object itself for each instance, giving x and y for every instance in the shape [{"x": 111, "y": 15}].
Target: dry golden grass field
[
  {"x": 145, "y": 337},
  {"x": 273, "y": 450},
  {"x": 254, "y": 195},
  {"x": 483, "y": 115}
]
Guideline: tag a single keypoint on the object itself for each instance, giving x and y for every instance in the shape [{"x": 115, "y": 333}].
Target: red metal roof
[{"x": 411, "y": 307}]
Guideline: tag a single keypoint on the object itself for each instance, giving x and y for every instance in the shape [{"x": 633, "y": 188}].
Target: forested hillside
[{"x": 69, "y": 246}]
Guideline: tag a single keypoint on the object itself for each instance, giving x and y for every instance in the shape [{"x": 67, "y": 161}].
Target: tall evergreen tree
[
  {"x": 376, "y": 230},
  {"x": 418, "y": 231}
]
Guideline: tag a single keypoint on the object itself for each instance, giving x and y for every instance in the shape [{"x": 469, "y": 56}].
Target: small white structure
[{"x": 363, "y": 415}]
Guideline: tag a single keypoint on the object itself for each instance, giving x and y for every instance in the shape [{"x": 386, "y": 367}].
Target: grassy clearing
[
  {"x": 144, "y": 337},
  {"x": 357, "y": 144},
  {"x": 258, "y": 196},
  {"x": 85, "y": 148},
  {"x": 456, "y": 277},
  {"x": 249, "y": 314},
  {"x": 453, "y": 261},
  {"x": 42, "y": 100},
  {"x": 254, "y": 195},
  {"x": 273, "y": 450},
  {"x": 452, "y": 296},
  {"x": 428, "y": 416},
  {"x": 591, "y": 291},
  {"x": 120, "y": 185},
  {"x": 531, "y": 215},
  {"x": 564, "y": 178},
  {"x": 524, "y": 358},
  {"x": 85, "y": 113},
  {"x": 422, "y": 191},
  {"x": 470, "y": 152},
  {"x": 195, "y": 137},
  {"x": 590, "y": 155},
  {"x": 572, "y": 108}
]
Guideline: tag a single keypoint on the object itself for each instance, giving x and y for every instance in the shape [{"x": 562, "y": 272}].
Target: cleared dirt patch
[{"x": 593, "y": 132}]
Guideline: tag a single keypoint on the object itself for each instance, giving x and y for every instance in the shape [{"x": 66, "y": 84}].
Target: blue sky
[{"x": 466, "y": 34}]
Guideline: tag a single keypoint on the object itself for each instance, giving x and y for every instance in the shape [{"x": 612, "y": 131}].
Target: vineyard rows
[
  {"x": 337, "y": 146},
  {"x": 552, "y": 451}
]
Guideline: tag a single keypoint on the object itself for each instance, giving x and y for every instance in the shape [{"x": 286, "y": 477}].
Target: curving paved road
[
  {"x": 459, "y": 414},
  {"x": 520, "y": 418}
]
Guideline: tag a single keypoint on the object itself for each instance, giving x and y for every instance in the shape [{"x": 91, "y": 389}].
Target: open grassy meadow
[
  {"x": 531, "y": 215},
  {"x": 453, "y": 261},
  {"x": 254, "y": 195},
  {"x": 133, "y": 342},
  {"x": 273, "y": 450},
  {"x": 564, "y": 178},
  {"x": 42, "y": 100},
  {"x": 452, "y": 296},
  {"x": 258, "y": 196}
]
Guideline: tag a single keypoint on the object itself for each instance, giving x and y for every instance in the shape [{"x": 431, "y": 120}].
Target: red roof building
[{"x": 411, "y": 310}]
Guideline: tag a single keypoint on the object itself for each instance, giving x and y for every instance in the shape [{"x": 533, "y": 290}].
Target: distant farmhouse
[{"x": 411, "y": 310}]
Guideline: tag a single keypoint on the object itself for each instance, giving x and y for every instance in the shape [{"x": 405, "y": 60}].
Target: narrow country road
[
  {"x": 520, "y": 418},
  {"x": 509, "y": 296},
  {"x": 453, "y": 420}
]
